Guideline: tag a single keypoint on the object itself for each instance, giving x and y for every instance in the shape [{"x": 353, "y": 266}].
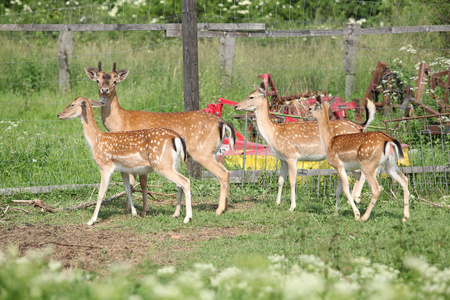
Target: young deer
[
  {"x": 203, "y": 132},
  {"x": 366, "y": 151},
  {"x": 291, "y": 142},
  {"x": 132, "y": 152}
]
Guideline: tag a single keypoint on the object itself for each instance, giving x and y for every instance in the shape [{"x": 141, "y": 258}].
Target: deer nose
[
  {"x": 235, "y": 107},
  {"x": 58, "y": 116},
  {"x": 105, "y": 91}
]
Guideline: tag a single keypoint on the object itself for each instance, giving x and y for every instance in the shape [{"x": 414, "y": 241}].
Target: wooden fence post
[
  {"x": 351, "y": 49},
  {"x": 226, "y": 56},
  {"x": 190, "y": 67},
  {"x": 64, "y": 57}
]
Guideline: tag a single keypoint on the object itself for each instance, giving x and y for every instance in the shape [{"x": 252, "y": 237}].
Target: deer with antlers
[
  {"x": 367, "y": 151},
  {"x": 132, "y": 152},
  {"x": 203, "y": 132},
  {"x": 291, "y": 142}
]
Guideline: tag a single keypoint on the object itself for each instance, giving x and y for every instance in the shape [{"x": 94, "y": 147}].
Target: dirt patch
[{"x": 88, "y": 248}]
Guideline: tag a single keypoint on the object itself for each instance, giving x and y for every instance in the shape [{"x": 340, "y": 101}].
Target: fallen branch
[
  {"x": 20, "y": 209},
  {"x": 47, "y": 208},
  {"x": 5, "y": 211},
  {"x": 433, "y": 204},
  {"x": 155, "y": 193},
  {"x": 39, "y": 203},
  {"x": 60, "y": 244},
  {"x": 91, "y": 203}
]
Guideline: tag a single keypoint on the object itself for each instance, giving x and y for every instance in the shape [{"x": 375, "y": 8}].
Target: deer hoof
[
  {"x": 186, "y": 220},
  {"x": 133, "y": 212}
]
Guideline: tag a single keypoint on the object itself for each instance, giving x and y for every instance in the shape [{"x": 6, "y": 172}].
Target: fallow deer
[
  {"x": 203, "y": 132},
  {"x": 367, "y": 151},
  {"x": 132, "y": 152},
  {"x": 294, "y": 141}
]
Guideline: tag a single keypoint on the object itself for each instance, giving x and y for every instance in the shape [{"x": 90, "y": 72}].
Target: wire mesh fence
[{"x": 36, "y": 149}]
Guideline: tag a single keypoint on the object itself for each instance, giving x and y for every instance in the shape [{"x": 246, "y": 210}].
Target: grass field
[{"x": 262, "y": 243}]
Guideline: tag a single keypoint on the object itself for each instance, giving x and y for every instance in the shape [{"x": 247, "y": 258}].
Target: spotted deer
[
  {"x": 132, "y": 152},
  {"x": 203, "y": 132},
  {"x": 367, "y": 151},
  {"x": 294, "y": 141}
]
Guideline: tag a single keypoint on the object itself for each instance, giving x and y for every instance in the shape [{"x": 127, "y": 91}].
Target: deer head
[
  {"x": 106, "y": 81},
  {"x": 77, "y": 108},
  {"x": 255, "y": 100}
]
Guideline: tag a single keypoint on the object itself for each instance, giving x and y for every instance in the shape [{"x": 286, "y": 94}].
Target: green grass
[
  {"x": 267, "y": 228},
  {"x": 358, "y": 251}
]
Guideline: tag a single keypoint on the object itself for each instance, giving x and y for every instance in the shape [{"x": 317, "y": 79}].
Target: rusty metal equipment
[
  {"x": 298, "y": 104},
  {"x": 436, "y": 81},
  {"x": 387, "y": 83},
  {"x": 383, "y": 80}
]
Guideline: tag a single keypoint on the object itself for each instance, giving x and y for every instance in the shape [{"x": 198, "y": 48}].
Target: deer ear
[
  {"x": 91, "y": 73},
  {"x": 83, "y": 103},
  {"x": 122, "y": 74},
  {"x": 318, "y": 99},
  {"x": 262, "y": 85},
  {"x": 331, "y": 100},
  {"x": 261, "y": 88},
  {"x": 96, "y": 103}
]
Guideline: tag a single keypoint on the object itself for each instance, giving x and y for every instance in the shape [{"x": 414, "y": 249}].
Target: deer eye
[
  {"x": 98, "y": 81},
  {"x": 115, "y": 82},
  {"x": 251, "y": 98},
  {"x": 72, "y": 105}
]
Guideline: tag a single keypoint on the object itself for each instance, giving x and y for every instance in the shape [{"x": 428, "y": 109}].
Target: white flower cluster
[
  {"x": 409, "y": 49},
  {"x": 10, "y": 124},
  {"x": 307, "y": 278}
]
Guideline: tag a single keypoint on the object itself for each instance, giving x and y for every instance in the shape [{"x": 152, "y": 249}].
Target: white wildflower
[
  {"x": 361, "y": 21},
  {"x": 245, "y": 2},
  {"x": 166, "y": 271}
]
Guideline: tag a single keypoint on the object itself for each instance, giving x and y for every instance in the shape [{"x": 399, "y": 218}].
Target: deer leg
[
  {"x": 184, "y": 185},
  {"x": 357, "y": 188},
  {"x": 126, "y": 183},
  {"x": 178, "y": 208},
  {"x": 403, "y": 181},
  {"x": 338, "y": 195},
  {"x": 143, "y": 181},
  {"x": 132, "y": 181},
  {"x": 376, "y": 191},
  {"x": 344, "y": 180},
  {"x": 283, "y": 174},
  {"x": 106, "y": 176},
  {"x": 292, "y": 164},
  {"x": 222, "y": 174}
]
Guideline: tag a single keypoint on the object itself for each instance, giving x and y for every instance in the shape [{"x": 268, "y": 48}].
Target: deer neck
[
  {"x": 325, "y": 133},
  {"x": 266, "y": 127},
  {"x": 90, "y": 128},
  {"x": 112, "y": 113}
]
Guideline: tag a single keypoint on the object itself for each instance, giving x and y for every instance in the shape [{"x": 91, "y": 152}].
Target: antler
[
  {"x": 99, "y": 66},
  {"x": 114, "y": 67}
]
